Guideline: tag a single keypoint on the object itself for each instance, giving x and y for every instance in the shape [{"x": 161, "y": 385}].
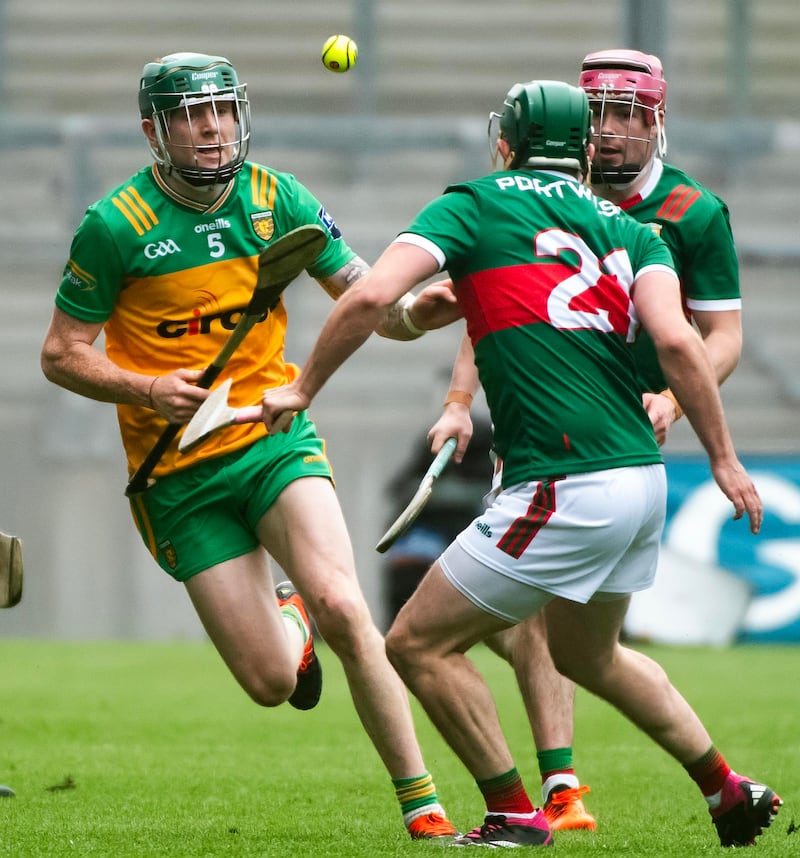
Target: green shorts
[{"x": 193, "y": 519}]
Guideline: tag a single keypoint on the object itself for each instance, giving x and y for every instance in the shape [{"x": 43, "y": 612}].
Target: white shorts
[{"x": 581, "y": 537}]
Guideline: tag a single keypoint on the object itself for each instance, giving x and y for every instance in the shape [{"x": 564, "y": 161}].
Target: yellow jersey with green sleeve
[
  {"x": 169, "y": 279},
  {"x": 543, "y": 271}
]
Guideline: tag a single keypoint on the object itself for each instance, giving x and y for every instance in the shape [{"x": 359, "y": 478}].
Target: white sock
[
  {"x": 559, "y": 779},
  {"x": 409, "y": 817}
]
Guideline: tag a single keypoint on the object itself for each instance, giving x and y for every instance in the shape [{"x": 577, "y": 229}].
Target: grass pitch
[{"x": 131, "y": 749}]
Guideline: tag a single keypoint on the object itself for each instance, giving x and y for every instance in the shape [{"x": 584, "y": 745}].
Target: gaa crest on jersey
[{"x": 263, "y": 224}]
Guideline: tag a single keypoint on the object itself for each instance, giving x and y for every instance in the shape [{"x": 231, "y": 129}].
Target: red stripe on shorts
[{"x": 522, "y": 531}]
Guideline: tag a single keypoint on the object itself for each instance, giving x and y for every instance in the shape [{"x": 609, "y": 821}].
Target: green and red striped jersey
[{"x": 543, "y": 270}]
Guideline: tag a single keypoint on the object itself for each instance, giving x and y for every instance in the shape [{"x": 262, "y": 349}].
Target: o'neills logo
[{"x": 263, "y": 225}]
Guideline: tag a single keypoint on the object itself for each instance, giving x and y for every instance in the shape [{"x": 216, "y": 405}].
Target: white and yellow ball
[{"x": 339, "y": 53}]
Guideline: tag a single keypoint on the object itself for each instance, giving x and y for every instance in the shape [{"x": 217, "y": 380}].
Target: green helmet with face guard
[
  {"x": 546, "y": 124},
  {"x": 179, "y": 82}
]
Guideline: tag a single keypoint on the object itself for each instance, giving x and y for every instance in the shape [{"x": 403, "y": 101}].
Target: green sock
[{"x": 554, "y": 760}]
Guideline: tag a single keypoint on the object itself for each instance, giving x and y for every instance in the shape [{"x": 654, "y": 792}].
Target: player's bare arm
[
  {"x": 688, "y": 369},
  {"x": 354, "y": 317},
  {"x": 722, "y": 336},
  {"x": 684, "y": 360},
  {"x": 410, "y": 316},
  {"x": 340, "y": 281},
  {"x": 455, "y": 421},
  {"x": 394, "y": 325},
  {"x": 70, "y": 359}
]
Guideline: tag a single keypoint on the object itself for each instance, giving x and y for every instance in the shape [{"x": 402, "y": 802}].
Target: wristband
[
  {"x": 150, "y": 392},
  {"x": 460, "y": 396},
  {"x": 406, "y": 317},
  {"x": 671, "y": 396}
]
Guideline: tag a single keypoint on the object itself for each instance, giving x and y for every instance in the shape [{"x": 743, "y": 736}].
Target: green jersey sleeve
[
  {"x": 302, "y": 207},
  {"x": 710, "y": 269},
  {"x": 93, "y": 274}
]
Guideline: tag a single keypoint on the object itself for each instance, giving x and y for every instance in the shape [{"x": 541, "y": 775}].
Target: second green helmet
[{"x": 547, "y": 124}]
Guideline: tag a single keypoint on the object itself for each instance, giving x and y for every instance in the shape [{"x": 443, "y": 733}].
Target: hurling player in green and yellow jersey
[{"x": 163, "y": 266}]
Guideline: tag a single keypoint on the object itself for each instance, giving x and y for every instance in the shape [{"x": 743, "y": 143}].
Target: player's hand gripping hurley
[
  {"x": 415, "y": 506},
  {"x": 214, "y": 414},
  {"x": 278, "y": 264}
]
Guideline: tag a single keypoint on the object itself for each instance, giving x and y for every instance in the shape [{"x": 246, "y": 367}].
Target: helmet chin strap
[
  {"x": 616, "y": 179},
  {"x": 624, "y": 177},
  {"x": 206, "y": 178},
  {"x": 195, "y": 190}
]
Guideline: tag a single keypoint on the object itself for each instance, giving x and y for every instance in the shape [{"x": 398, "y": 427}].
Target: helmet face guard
[
  {"x": 170, "y": 89},
  {"x": 546, "y": 124},
  {"x": 628, "y": 84}
]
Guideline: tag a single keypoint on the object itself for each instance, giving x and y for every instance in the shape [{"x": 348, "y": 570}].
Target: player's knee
[
  {"x": 401, "y": 649},
  {"x": 343, "y": 621},
  {"x": 269, "y": 689}
]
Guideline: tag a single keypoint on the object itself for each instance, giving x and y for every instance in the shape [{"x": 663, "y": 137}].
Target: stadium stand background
[{"x": 374, "y": 145}]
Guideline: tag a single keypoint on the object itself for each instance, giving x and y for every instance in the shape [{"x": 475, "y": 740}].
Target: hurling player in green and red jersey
[
  {"x": 627, "y": 94},
  {"x": 553, "y": 282},
  {"x": 164, "y": 265}
]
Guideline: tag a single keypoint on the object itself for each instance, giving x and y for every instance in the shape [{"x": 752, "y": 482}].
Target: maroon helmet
[
  {"x": 630, "y": 80},
  {"x": 625, "y": 71}
]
